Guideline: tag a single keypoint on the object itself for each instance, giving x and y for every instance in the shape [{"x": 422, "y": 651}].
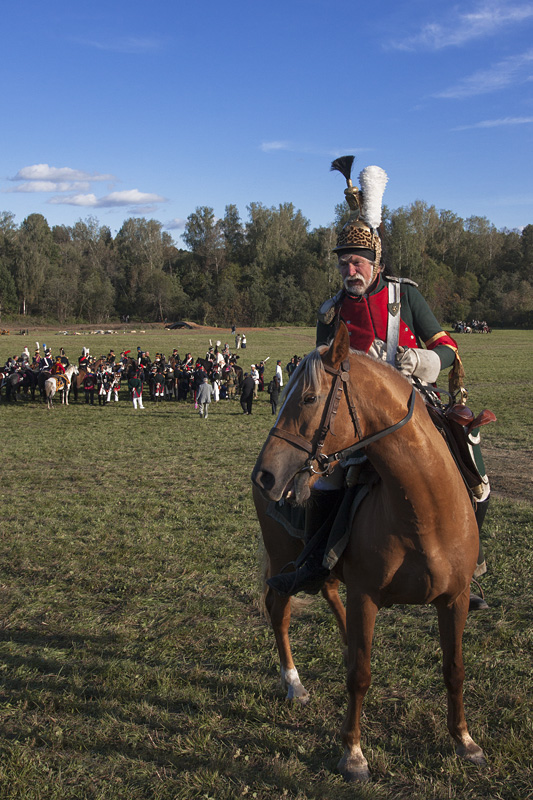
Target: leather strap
[
  {"x": 393, "y": 322},
  {"x": 341, "y": 381}
]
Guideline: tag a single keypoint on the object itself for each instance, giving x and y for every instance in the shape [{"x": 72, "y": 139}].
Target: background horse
[
  {"x": 29, "y": 381},
  {"x": 42, "y": 377},
  {"x": 414, "y": 537},
  {"x": 59, "y": 383},
  {"x": 11, "y": 382},
  {"x": 77, "y": 381}
]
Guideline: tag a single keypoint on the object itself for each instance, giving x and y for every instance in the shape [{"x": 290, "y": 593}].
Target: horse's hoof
[
  {"x": 354, "y": 769},
  {"x": 301, "y": 701},
  {"x": 356, "y": 775},
  {"x": 300, "y": 696},
  {"x": 477, "y": 603},
  {"x": 472, "y": 753}
]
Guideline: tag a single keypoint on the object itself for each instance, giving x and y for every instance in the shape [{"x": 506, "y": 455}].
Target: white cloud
[
  {"x": 485, "y": 19},
  {"x": 87, "y": 200},
  {"x": 496, "y": 123},
  {"x": 501, "y": 75},
  {"x": 43, "y": 172},
  {"x": 176, "y": 224},
  {"x": 51, "y": 186},
  {"x": 129, "y": 197},
  {"x": 71, "y": 187}
]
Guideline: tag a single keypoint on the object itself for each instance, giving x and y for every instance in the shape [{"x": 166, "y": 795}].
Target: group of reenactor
[
  {"x": 167, "y": 378},
  {"x": 174, "y": 378}
]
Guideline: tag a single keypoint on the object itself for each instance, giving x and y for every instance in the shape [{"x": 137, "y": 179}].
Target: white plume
[{"x": 372, "y": 181}]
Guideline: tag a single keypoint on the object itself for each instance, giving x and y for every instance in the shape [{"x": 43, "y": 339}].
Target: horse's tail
[{"x": 50, "y": 387}]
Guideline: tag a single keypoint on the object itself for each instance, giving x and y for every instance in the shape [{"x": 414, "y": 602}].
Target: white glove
[{"x": 423, "y": 364}]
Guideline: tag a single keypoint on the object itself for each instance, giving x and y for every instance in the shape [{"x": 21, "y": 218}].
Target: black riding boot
[
  {"x": 310, "y": 573},
  {"x": 478, "y": 603}
]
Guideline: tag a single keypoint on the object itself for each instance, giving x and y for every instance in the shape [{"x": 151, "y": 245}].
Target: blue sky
[{"x": 117, "y": 109}]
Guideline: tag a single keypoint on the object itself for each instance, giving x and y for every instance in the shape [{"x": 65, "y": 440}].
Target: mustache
[{"x": 356, "y": 284}]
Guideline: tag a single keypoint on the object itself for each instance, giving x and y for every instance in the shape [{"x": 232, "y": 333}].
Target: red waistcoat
[{"x": 366, "y": 318}]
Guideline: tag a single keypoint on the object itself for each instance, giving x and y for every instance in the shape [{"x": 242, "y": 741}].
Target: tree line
[{"x": 271, "y": 269}]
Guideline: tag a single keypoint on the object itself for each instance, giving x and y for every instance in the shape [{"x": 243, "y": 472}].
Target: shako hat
[{"x": 361, "y": 232}]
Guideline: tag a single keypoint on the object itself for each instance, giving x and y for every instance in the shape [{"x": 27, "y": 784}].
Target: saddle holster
[{"x": 456, "y": 424}]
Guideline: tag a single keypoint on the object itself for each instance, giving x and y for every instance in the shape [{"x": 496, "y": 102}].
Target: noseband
[{"x": 340, "y": 384}]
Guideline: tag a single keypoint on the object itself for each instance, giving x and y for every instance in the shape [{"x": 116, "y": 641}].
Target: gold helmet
[{"x": 361, "y": 233}]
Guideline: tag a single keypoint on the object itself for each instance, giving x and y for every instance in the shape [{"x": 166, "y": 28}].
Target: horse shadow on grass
[{"x": 213, "y": 716}]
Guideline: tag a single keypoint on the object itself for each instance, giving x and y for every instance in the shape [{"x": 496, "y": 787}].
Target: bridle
[{"x": 340, "y": 385}]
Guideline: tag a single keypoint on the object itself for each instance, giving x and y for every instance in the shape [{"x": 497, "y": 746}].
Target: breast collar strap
[{"x": 315, "y": 452}]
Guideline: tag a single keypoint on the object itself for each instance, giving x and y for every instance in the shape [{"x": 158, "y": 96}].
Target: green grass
[{"x": 134, "y": 659}]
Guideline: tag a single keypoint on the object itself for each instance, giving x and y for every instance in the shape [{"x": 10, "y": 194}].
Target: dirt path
[{"x": 510, "y": 472}]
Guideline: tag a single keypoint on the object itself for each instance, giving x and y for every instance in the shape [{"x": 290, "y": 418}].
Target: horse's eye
[{"x": 310, "y": 398}]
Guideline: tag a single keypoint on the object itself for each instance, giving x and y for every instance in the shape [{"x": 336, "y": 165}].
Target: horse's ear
[{"x": 339, "y": 348}]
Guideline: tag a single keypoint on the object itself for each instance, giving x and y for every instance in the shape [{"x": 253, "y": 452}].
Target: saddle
[{"x": 457, "y": 424}]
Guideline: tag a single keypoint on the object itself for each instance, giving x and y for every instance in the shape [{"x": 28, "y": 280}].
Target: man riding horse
[{"x": 388, "y": 319}]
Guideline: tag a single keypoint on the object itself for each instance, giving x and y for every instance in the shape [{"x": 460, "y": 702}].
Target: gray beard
[{"x": 356, "y": 289}]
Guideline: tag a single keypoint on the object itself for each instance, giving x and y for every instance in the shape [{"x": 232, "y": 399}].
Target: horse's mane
[{"x": 312, "y": 368}]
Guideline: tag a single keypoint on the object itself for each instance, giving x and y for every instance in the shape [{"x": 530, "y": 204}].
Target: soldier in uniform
[
  {"x": 46, "y": 363},
  {"x": 89, "y": 385},
  {"x": 231, "y": 380},
  {"x": 261, "y": 371},
  {"x": 389, "y": 319},
  {"x": 255, "y": 375},
  {"x": 101, "y": 387},
  {"x": 273, "y": 391},
  {"x": 159, "y": 385},
  {"x": 58, "y": 368},
  {"x": 83, "y": 360},
  {"x": 135, "y": 385}
]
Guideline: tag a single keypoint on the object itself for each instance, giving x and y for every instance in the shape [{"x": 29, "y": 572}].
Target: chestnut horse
[{"x": 414, "y": 537}]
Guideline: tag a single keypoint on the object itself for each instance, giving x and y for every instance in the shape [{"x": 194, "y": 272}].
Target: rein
[{"x": 340, "y": 384}]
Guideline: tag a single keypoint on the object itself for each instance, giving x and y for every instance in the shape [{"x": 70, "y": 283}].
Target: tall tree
[
  {"x": 8, "y": 233},
  {"x": 233, "y": 231},
  {"x": 32, "y": 261},
  {"x": 204, "y": 235},
  {"x": 276, "y": 237},
  {"x": 141, "y": 250}
]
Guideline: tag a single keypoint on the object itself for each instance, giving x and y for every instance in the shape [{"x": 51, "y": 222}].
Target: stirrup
[{"x": 477, "y": 602}]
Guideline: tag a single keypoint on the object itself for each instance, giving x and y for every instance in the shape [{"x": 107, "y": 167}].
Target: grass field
[{"x": 134, "y": 659}]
